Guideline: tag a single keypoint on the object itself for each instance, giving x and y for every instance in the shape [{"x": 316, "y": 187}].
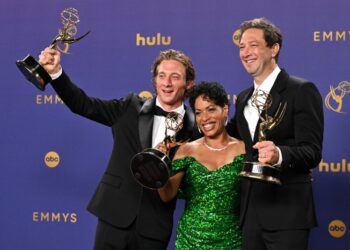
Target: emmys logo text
[
  {"x": 48, "y": 99},
  {"x": 54, "y": 217},
  {"x": 334, "y": 167},
  {"x": 156, "y": 40},
  {"x": 331, "y": 36}
]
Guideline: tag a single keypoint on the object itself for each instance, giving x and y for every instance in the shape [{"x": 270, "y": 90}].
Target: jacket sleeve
[
  {"x": 101, "y": 111},
  {"x": 308, "y": 122}
]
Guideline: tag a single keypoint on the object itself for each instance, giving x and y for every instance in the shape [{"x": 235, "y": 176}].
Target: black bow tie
[{"x": 160, "y": 112}]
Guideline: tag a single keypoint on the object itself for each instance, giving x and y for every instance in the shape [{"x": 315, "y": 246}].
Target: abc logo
[
  {"x": 337, "y": 228},
  {"x": 52, "y": 159},
  {"x": 146, "y": 94},
  {"x": 236, "y": 36}
]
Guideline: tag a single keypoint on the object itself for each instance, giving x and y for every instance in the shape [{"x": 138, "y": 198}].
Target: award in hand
[
  {"x": 31, "y": 69},
  {"x": 262, "y": 101},
  {"x": 151, "y": 166}
]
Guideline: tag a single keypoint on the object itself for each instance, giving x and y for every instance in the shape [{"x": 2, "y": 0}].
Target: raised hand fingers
[{"x": 50, "y": 59}]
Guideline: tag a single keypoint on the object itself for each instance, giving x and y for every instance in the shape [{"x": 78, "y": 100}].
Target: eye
[
  {"x": 175, "y": 77},
  {"x": 197, "y": 113},
  {"x": 212, "y": 110},
  {"x": 161, "y": 76}
]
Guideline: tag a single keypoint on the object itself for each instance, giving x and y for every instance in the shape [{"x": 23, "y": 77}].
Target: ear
[
  {"x": 154, "y": 84},
  {"x": 225, "y": 108},
  {"x": 189, "y": 84},
  {"x": 275, "y": 49}
]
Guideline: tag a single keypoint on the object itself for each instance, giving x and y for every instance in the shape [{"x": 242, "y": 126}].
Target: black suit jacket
[
  {"x": 299, "y": 136},
  {"x": 119, "y": 199}
]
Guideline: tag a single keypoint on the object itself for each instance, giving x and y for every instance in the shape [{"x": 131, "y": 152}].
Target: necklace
[{"x": 215, "y": 149}]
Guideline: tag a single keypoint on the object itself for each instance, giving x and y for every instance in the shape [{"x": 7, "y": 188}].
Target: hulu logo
[
  {"x": 152, "y": 40},
  {"x": 334, "y": 167}
]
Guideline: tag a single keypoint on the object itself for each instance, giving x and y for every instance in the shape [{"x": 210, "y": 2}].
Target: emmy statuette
[
  {"x": 150, "y": 167},
  {"x": 265, "y": 172},
  {"x": 31, "y": 69}
]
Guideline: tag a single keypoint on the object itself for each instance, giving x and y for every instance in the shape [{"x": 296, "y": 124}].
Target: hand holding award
[
  {"x": 266, "y": 172},
  {"x": 31, "y": 69},
  {"x": 151, "y": 166}
]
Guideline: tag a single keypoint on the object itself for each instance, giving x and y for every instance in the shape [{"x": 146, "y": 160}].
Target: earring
[{"x": 199, "y": 130}]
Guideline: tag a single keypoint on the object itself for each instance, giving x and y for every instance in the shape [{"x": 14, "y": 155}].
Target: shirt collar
[
  {"x": 180, "y": 109},
  {"x": 267, "y": 84}
]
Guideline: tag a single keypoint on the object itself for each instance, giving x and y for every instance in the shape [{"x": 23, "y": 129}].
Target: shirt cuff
[
  {"x": 56, "y": 75},
  {"x": 280, "y": 158}
]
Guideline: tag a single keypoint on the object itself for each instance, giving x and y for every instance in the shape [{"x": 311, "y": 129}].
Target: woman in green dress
[{"x": 205, "y": 173}]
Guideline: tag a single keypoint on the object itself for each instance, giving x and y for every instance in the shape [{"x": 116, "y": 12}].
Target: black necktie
[{"x": 160, "y": 112}]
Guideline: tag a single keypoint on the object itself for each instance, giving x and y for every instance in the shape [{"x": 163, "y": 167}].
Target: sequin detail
[{"x": 210, "y": 219}]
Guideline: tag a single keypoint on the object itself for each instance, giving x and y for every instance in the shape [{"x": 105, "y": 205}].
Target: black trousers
[
  {"x": 109, "y": 237},
  {"x": 257, "y": 238}
]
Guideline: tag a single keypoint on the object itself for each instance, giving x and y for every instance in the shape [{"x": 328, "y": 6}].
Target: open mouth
[{"x": 208, "y": 126}]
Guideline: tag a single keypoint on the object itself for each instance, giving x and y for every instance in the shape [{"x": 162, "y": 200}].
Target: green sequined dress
[{"x": 210, "y": 219}]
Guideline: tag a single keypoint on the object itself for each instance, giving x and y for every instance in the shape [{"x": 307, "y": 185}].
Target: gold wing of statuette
[{"x": 278, "y": 116}]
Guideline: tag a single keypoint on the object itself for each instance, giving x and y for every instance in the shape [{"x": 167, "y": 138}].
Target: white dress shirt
[
  {"x": 158, "y": 133},
  {"x": 251, "y": 114}
]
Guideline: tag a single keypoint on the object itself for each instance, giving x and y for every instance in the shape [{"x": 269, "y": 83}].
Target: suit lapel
[
  {"x": 188, "y": 126},
  {"x": 240, "y": 113},
  {"x": 276, "y": 90},
  {"x": 146, "y": 123}
]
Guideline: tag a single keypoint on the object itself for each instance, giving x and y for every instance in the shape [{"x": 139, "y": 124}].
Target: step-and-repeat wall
[{"x": 51, "y": 160}]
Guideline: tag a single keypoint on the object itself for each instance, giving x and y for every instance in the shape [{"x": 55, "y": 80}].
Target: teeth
[{"x": 208, "y": 125}]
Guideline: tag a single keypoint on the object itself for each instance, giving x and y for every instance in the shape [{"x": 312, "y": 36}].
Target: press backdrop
[{"x": 51, "y": 160}]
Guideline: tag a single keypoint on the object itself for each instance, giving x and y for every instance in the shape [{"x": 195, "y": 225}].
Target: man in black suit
[
  {"x": 277, "y": 217},
  {"x": 129, "y": 216}
]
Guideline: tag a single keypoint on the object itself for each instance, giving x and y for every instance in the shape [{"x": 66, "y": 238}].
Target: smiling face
[
  {"x": 170, "y": 84},
  {"x": 210, "y": 117},
  {"x": 257, "y": 58}
]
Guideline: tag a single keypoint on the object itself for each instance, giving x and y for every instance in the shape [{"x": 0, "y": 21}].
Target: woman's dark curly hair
[{"x": 213, "y": 91}]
